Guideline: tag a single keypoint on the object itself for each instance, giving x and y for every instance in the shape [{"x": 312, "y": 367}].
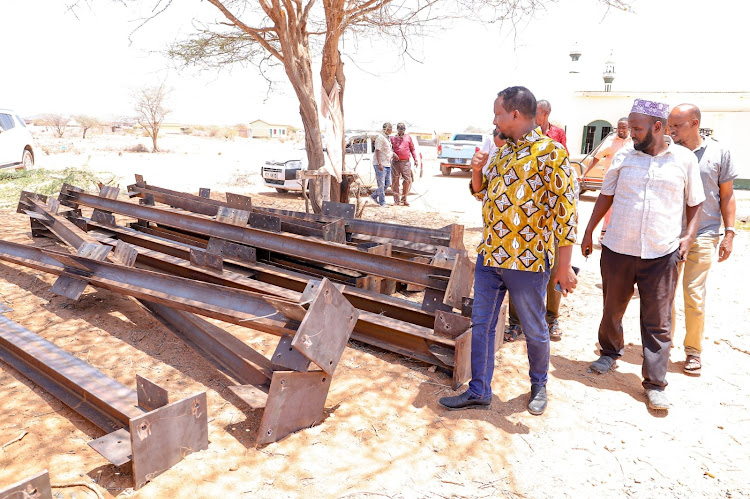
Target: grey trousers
[{"x": 656, "y": 280}]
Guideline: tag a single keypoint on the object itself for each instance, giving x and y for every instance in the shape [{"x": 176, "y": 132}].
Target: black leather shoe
[
  {"x": 538, "y": 400},
  {"x": 464, "y": 401}
]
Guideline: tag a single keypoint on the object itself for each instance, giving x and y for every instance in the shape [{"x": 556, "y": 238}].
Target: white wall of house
[{"x": 727, "y": 114}]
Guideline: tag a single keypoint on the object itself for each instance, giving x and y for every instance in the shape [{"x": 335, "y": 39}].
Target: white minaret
[
  {"x": 575, "y": 54},
  {"x": 609, "y": 73}
]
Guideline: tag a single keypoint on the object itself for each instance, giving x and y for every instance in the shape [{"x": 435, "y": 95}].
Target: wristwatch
[{"x": 730, "y": 229}]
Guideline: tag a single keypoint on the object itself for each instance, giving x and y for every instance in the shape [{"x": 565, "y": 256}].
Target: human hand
[
  {"x": 685, "y": 244},
  {"x": 380, "y": 167},
  {"x": 479, "y": 160},
  {"x": 566, "y": 279},
  {"x": 725, "y": 248},
  {"x": 587, "y": 244}
]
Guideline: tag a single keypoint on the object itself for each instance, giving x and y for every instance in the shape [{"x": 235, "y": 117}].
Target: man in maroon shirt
[
  {"x": 403, "y": 148},
  {"x": 543, "y": 109}
]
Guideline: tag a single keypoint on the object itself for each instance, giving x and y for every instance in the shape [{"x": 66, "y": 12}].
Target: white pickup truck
[
  {"x": 457, "y": 152},
  {"x": 358, "y": 156}
]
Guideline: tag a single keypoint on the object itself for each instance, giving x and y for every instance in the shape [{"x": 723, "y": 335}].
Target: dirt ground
[{"x": 384, "y": 435}]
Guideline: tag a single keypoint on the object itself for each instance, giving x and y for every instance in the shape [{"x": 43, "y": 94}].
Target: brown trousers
[
  {"x": 656, "y": 280},
  {"x": 400, "y": 169}
]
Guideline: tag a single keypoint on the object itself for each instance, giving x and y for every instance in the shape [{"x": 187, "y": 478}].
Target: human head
[
  {"x": 622, "y": 128},
  {"x": 499, "y": 143},
  {"x": 684, "y": 124},
  {"x": 543, "y": 110},
  {"x": 515, "y": 112},
  {"x": 401, "y": 129},
  {"x": 646, "y": 130},
  {"x": 647, "y": 121},
  {"x": 387, "y": 128}
]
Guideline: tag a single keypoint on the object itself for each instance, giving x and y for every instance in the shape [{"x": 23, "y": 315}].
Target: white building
[{"x": 592, "y": 114}]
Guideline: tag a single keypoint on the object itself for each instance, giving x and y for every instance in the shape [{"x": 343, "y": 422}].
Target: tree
[
  {"x": 277, "y": 32},
  {"x": 86, "y": 122},
  {"x": 58, "y": 122},
  {"x": 150, "y": 108}
]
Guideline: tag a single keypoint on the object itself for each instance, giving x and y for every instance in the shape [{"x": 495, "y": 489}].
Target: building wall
[
  {"x": 261, "y": 129},
  {"x": 726, "y": 113}
]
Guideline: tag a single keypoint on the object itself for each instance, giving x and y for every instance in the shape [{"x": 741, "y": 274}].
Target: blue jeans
[
  {"x": 528, "y": 290},
  {"x": 384, "y": 181}
]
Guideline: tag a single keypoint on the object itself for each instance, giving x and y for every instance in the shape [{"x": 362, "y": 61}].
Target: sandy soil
[{"x": 384, "y": 434}]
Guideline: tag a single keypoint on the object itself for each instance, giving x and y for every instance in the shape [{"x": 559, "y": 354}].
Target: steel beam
[
  {"x": 375, "y": 327},
  {"x": 372, "y": 328},
  {"x": 421, "y": 235},
  {"x": 297, "y": 246},
  {"x": 172, "y": 431},
  {"x": 292, "y": 406}
]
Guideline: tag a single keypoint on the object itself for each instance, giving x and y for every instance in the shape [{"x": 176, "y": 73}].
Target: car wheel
[
  {"x": 28, "y": 159},
  {"x": 281, "y": 191},
  {"x": 445, "y": 170}
]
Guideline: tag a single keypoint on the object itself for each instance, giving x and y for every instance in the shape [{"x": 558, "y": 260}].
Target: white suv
[{"x": 16, "y": 149}]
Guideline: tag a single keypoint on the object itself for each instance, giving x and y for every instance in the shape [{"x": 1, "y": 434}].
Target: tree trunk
[
  {"x": 298, "y": 67},
  {"x": 332, "y": 71}
]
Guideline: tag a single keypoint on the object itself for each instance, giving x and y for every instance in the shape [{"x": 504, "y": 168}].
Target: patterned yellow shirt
[{"x": 527, "y": 196}]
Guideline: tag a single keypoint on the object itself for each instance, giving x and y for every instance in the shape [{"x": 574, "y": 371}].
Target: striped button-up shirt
[{"x": 650, "y": 197}]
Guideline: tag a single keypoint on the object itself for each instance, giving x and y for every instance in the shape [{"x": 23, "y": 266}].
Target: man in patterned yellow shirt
[{"x": 527, "y": 200}]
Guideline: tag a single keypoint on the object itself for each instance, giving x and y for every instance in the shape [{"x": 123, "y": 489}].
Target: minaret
[
  {"x": 609, "y": 73},
  {"x": 575, "y": 54}
]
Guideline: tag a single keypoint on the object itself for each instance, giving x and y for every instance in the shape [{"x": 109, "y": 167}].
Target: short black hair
[
  {"x": 624, "y": 118},
  {"x": 519, "y": 99}
]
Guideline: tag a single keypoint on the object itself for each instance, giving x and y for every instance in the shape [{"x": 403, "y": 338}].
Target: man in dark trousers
[
  {"x": 650, "y": 189},
  {"x": 403, "y": 149}
]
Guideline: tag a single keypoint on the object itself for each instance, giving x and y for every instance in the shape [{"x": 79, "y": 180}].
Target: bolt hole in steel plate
[
  {"x": 36, "y": 487},
  {"x": 323, "y": 333},
  {"x": 295, "y": 401}
]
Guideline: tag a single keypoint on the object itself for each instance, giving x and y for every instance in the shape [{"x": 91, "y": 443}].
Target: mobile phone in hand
[{"x": 557, "y": 286}]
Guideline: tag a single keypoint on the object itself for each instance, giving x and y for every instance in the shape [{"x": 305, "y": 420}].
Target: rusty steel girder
[
  {"x": 386, "y": 323},
  {"x": 295, "y": 402},
  {"x": 437, "y": 278},
  {"x": 150, "y": 433},
  {"x": 450, "y": 236}
]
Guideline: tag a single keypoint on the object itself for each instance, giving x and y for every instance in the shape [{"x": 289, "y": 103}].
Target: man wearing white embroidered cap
[{"x": 649, "y": 190}]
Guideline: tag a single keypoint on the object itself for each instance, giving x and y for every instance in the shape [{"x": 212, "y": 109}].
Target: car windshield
[
  {"x": 468, "y": 136},
  {"x": 599, "y": 145}
]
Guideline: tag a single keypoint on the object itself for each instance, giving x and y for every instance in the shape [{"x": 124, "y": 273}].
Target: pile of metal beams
[{"x": 315, "y": 281}]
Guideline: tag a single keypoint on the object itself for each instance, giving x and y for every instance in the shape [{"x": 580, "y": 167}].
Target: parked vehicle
[
  {"x": 593, "y": 179},
  {"x": 16, "y": 145},
  {"x": 457, "y": 152},
  {"x": 358, "y": 157}
]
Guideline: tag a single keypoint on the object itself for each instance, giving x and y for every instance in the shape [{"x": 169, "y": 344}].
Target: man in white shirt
[
  {"x": 491, "y": 145},
  {"x": 649, "y": 189},
  {"x": 382, "y": 164}
]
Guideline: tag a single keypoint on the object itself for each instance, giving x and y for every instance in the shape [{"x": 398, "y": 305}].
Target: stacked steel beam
[{"x": 314, "y": 280}]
